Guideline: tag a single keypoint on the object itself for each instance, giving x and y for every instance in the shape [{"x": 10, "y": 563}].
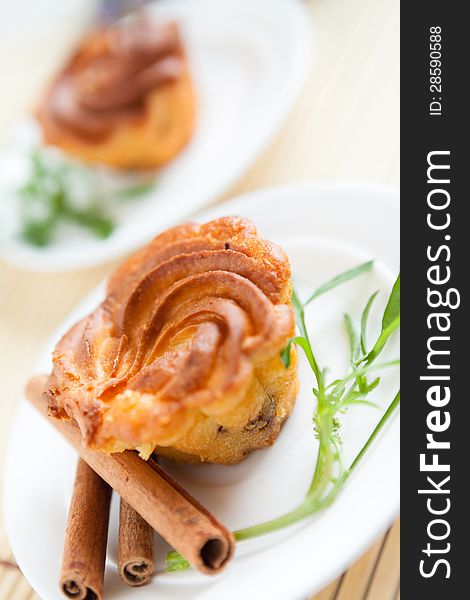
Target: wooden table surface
[{"x": 345, "y": 126}]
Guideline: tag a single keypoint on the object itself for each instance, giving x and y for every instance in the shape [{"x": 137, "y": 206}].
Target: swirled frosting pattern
[
  {"x": 185, "y": 346},
  {"x": 110, "y": 76}
]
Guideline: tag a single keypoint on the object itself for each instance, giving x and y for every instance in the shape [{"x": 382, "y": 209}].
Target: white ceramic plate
[
  {"x": 248, "y": 59},
  {"x": 326, "y": 229}
]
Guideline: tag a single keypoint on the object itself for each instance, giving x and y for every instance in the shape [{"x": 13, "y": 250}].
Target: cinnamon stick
[
  {"x": 135, "y": 547},
  {"x": 84, "y": 557},
  {"x": 193, "y": 531}
]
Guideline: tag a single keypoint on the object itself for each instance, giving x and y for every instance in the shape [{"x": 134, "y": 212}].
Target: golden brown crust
[
  {"x": 183, "y": 353},
  {"x": 125, "y": 98}
]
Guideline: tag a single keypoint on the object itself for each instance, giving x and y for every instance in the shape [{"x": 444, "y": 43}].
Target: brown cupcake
[
  {"x": 182, "y": 356},
  {"x": 124, "y": 98}
]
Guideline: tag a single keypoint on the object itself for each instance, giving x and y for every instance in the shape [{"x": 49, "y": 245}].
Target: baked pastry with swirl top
[
  {"x": 182, "y": 356},
  {"x": 124, "y": 98}
]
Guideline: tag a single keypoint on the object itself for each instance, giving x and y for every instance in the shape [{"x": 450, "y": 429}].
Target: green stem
[
  {"x": 360, "y": 372},
  {"x": 299, "y": 513},
  {"x": 393, "y": 405},
  {"x": 339, "y": 279},
  {"x": 382, "y": 340},
  {"x": 314, "y": 504},
  {"x": 300, "y": 320},
  {"x": 325, "y": 458}
]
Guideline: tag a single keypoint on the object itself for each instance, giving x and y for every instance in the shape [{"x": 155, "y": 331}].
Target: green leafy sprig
[
  {"x": 176, "y": 562},
  {"x": 47, "y": 199},
  {"x": 333, "y": 399}
]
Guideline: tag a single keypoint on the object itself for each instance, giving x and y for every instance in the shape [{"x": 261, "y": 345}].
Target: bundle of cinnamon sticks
[{"x": 150, "y": 501}]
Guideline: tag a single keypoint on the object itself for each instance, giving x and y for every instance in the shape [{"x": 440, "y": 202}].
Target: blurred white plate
[
  {"x": 248, "y": 59},
  {"x": 326, "y": 229}
]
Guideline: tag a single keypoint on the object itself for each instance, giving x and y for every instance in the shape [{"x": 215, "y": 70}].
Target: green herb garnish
[
  {"x": 175, "y": 562},
  {"x": 339, "y": 279},
  {"x": 48, "y": 199},
  {"x": 333, "y": 399}
]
